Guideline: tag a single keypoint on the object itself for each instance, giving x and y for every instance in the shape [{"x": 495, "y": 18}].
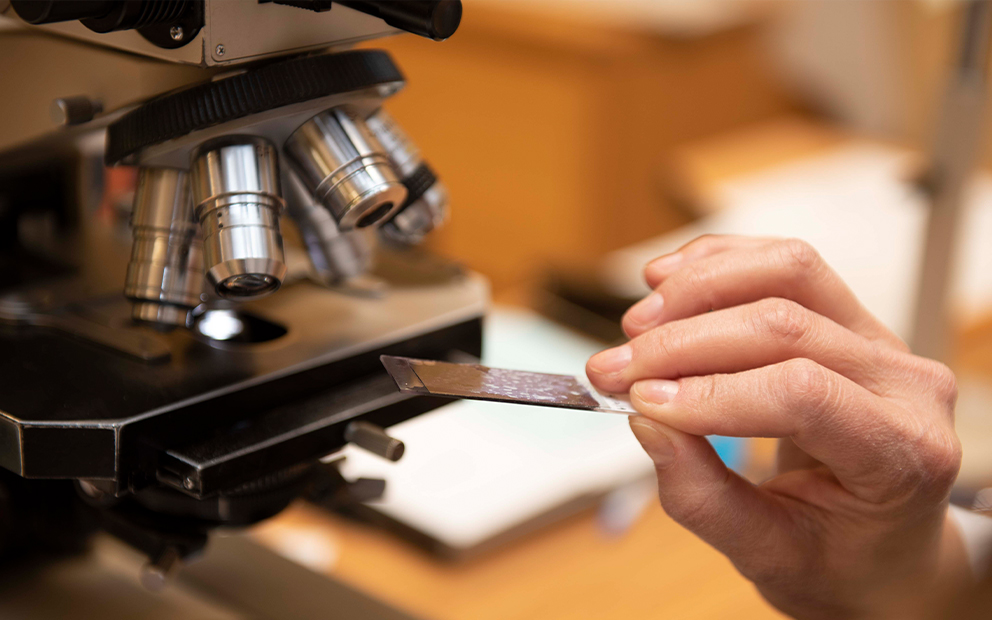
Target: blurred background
[{"x": 579, "y": 139}]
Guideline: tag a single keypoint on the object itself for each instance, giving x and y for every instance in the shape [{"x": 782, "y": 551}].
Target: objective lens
[
  {"x": 165, "y": 274},
  {"x": 343, "y": 166},
  {"x": 235, "y": 182},
  {"x": 335, "y": 256},
  {"x": 426, "y": 206}
]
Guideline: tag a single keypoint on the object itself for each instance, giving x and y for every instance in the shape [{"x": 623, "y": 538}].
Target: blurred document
[{"x": 473, "y": 470}]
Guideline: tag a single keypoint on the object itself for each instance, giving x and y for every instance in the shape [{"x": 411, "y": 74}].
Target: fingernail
[
  {"x": 654, "y": 441},
  {"x": 611, "y": 361},
  {"x": 647, "y": 311},
  {"x": 658, "y": 391},
  {"x": 666, "y": 262}
]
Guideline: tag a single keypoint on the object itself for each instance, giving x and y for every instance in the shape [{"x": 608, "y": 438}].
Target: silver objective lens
[
  {"x": 335, "y": 256},
  {"x": 343, "y": 166},
  {"x": 426, "y": 207},
  {"x": 165, "y": 274},
  {"x": 235, "y": 183}
]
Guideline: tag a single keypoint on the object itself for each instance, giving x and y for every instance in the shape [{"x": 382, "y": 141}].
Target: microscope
[{"x": 197, "y": 372}]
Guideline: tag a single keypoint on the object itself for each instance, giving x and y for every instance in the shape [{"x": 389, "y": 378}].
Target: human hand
[{"x": 760, "y": 338}]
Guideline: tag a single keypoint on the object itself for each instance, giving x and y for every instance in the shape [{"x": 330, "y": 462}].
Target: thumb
[{"x": 698, "y": 491}]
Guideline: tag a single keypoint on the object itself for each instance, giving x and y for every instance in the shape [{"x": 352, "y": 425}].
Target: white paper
[{"x": 474, "y": 469}]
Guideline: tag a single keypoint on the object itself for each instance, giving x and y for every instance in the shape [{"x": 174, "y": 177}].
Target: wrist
[
  {"x": 936, "y": 573},
  {"x": 955, "y": 568},
  {"x": 973, "y": 533},
  {"x": 953, "y": 559}
]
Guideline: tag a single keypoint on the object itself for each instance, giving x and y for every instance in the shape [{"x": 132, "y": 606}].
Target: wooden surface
[{"x": 569, "y": 571}]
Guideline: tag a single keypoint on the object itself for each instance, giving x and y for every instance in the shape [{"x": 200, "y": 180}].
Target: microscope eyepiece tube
[
  {"x": 426, "y": 206},
  {"x": 237, "y": 200},
  {"x": 344, "y": 167},
  {"x": 165, "y": 274},
  {"x": 334, "y": 255}
]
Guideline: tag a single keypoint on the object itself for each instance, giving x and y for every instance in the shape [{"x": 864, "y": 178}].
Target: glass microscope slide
[{"x": 477, "y": 382}]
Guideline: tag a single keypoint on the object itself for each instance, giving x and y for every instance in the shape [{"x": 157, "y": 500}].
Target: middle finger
[{"x": 737, "y": 339}]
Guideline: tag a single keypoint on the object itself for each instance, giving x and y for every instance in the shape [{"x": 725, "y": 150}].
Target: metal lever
[{"x": 375, "y": 440}]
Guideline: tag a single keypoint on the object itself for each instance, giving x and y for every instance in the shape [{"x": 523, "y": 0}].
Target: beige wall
[{"x": 875, "y": 67}]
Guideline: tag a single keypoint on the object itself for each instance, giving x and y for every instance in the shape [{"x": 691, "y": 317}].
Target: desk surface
[{"x": 568, "y": 571}]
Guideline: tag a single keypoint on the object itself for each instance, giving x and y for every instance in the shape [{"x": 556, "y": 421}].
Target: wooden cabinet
[{"x": 549, "y": 127}]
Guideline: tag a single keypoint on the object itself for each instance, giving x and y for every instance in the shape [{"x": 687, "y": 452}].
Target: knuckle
[
  {"x": 944, "y": 462},
  {"x": 807, "y": 385},
  {"x": 935, "y": 454},
  {"x": 799, "y": 255},
  {"x": 782, "y": 319},
  {"x": 700, "y": 390},
  {"x": 664, "y": 342},
  {"x": 707, "y": 388},
  {"x": 690, "y": 283},
  {"x": 695, "y": 510},
  {"x": 926, "y": 458},
  {"x": 942, "y": 382},
  {"x": 928, "y": 377}
]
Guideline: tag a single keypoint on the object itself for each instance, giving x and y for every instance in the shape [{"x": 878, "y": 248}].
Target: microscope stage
[{"x": 219, "y": 413}]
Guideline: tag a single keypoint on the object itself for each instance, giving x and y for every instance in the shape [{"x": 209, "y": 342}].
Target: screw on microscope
[
  {"x": 176, "y": 32},
  {"x": 219, "y": 50}
]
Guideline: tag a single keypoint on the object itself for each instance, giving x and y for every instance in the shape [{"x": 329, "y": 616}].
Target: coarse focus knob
[
  {"x": 434, "y": 19},
  {"x": 104, "y": 15},
  {"x": 317, "y": 6},
  {"x": 52, "y": 11}
]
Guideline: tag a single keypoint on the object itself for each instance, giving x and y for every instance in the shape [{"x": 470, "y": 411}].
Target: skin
[{"x": 752, "y": 337}]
